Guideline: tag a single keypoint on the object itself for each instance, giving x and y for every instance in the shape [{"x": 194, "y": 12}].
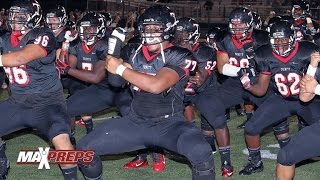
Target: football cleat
[
  {"x": 252, "y": 167},
  {"x": 80, "y": 123},
  {"x": 240, "y": 111},
  {"x": 226, "y": 170},
  {"x": 228, "y": 116},
  {"x": 159, "y": 162},
  {"x": 73, "y": 141},
  {"x": 136, "y": 163}
]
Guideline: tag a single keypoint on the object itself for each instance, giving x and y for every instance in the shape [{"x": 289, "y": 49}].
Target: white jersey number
[
  {"x": 285, "y": 90},
  {"x": 18, "y": 75}
]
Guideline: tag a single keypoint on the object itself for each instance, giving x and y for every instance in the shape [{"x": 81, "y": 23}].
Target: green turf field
[{"x": 177, "y": 168}]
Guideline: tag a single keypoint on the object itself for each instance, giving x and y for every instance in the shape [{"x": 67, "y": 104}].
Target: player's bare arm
[
  {"x": 29, "y": 53},
  {"x": 93, "y": 77},
  {"x": 261, "y": 87}
]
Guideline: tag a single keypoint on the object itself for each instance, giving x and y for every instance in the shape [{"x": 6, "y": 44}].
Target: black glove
[{"x": 250, "y": 71}]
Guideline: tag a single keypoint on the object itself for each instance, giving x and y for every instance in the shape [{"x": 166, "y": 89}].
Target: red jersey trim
[{"x": 288, "y": 58}]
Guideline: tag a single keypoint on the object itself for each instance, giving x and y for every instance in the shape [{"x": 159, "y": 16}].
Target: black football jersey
[
  {"x": 302, "y": 32},
  {"x": 169, "y": 102},
  {"x": 287, "y": 71},
  {"x": 60, "y": 39},
  {"x": 205, "y": 59},
  {"x": 88, "y": 57},
  {"x": 39, "y": 75},
  {"x": 241, "y": 54}
]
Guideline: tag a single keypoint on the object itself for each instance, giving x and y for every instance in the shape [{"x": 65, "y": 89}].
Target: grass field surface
[{"x": 177, "y": 167}]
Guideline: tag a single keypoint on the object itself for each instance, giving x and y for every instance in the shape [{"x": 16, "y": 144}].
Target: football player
[
  {"x": 201, "y": 77},
  {"x": 86, "y": 63},
  {"x": 158, "y": 74},
  {"x": 36, "y": 99},
  {"x": 235, "y": 51},
  {"x": 140, "y": 161},
  {"x": 304, "y": 26},
  {"x": 211, "y": 40},
  {"x": 298, "y": 149},
  {"x": 283, "y": 63}
]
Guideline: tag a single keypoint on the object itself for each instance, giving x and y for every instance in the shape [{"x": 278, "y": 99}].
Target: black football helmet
[
  {"x": 257, "y": 22},
  {"x": 211, "y": 36},
  {"x": 156, "y": 15},
  {"x": 240, "y": 23},
  {"x": 91, "y": 27},
  {"x": 108, "y": 18},
  {"x": 282, "y": 38},
  {"x": 272, "y": 21},
  {"x": 58, "y": 12},
  {"x": 24, "y": 15},
  {"x": 300, "y": 9},
  {"x": 190, "y": 27}
]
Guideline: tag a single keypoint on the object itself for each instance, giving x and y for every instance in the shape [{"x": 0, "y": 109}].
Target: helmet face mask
[
  {"x": 240, "y": 23},
  {"x": 239, "y": 30},
  {"x": 54, "y": 23},
  {"x": 88, "y": 34},
  {"x": 56, "y": 18},
  {"x": 24, "y": 15},
  {"x": 188, "y": 29},
  {"x": 18, "y": 20},
  {"x": 281, "y": 46},
  {"x": 152, "y": 34},
  {"x": 91, "y": 27},
  {"x": 300, "y": 9},
  {"x": 156, "y": 25}
]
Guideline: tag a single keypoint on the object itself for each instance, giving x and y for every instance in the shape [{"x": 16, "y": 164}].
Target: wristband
[
  {"x": 317, "y": 90},
  {"x": 120, "y": 69},
  {"x": 1, "y": 65},
  {"x": 65, "y": 46},
  {"x": 230, "y": 70},
  {"x": 309, "y": 21},
  {"x": 311, "y": 70}
]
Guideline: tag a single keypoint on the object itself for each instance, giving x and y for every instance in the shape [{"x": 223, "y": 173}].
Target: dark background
[{"x": 45, "y": 4}]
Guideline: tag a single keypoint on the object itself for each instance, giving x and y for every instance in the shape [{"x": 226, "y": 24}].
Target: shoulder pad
[
  {"x": 222, "y": 35},
  {"x": 177, "y": 54},
  {"x": 204, "y": 53},
  {"x": 263, "y": 51},
  {"x": 307, "y": 47},
  {"x": 102, "y": 43},
  {"x": 261, "y": 37}
]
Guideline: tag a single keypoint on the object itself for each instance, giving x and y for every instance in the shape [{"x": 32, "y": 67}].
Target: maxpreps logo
[{"x": 45, "y": 156}]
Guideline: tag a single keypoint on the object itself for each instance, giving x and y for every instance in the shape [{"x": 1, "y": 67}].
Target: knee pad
[
  {"x": 205, "y": 125},
  {"x": 284, "y": 159},
  {"x": 92, "y": 171},
  {"x": 281, "y": 128},
  {"x": 203, "y": 171},
  {"x": 251, "y": 130},
  {"x": 220, "y": 122}
]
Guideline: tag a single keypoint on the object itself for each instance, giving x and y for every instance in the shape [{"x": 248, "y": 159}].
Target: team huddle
[{"x": 156, "y": 80}]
